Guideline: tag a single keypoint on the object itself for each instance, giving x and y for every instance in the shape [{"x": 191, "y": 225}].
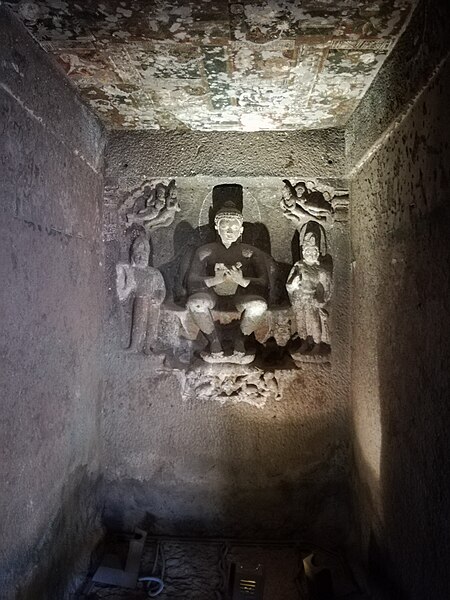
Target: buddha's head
[{"x": 229, "y": 224}]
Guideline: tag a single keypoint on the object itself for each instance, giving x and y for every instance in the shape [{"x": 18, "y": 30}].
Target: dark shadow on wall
[
  {"x": 413, "y": 547},
  {"x": 57, "y": 564},
  {"x": 250, "y": 474},
  {"x": 407, "y": 255}
]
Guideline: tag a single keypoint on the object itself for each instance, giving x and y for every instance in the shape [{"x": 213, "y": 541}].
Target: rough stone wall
[
  {"x": 312, "y": 153},
  {"x": 400, "y": 222},
  {"x": 183, "y": 465},
  {"x": 407, "y": 69},
  {"x": 51, "y": 306}
]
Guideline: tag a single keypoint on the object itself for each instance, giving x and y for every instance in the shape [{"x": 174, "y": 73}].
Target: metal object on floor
[
  {"x": 246, "y": 582},
  {"x": 319, "y": 580},
  {"x": 110, "y": 572}
]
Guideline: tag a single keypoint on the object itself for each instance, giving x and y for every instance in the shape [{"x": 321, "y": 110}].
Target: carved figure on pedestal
[
  {"x": 141, "y": 291},
  {"x": 299, "y": 203},
  {"x": 228, "y": 275},
  {"x": 152, "y": 208},
  {"x": 309, "y": 289}
]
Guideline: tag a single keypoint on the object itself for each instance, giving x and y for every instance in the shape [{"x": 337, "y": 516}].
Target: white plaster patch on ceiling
[
  {"x": 257, "y": 122},
  {"x": 217, "y": 65}
]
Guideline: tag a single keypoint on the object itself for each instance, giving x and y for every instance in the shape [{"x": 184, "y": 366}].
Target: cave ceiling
[{"x": 214, "y": 65}]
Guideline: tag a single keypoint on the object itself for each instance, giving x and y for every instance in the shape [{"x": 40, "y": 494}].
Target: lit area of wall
[
  {"x": 179, "y": 465},
  {"x": 311, "y": 153},
  {"x": 51, "y": 188},
  {"x": 400, "y": 221}
]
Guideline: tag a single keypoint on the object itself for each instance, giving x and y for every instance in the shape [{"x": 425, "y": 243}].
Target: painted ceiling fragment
[{"x": 218, "y": 65}]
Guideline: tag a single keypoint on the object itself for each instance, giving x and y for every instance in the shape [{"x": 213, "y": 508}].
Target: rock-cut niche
[{"x": 222, "y": 308}]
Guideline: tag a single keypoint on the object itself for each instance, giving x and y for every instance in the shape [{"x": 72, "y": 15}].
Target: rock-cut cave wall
[
  {"x": 400, "y": 223},
  {"x": 185, "y": 464},
  {"x": 51, "y": 310}
]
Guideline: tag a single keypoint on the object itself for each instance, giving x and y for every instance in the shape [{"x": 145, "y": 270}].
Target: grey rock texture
[
  {"x": 186, "y": 465},
  {"x": 45, "y": 91},
  {"x": 400, "y": 223},
  {"x": 51, "y": 306},
  {"x": 192, "y": 466},
  {"x": 405, "y": 72},
  {"x": 315, "y": 153}
]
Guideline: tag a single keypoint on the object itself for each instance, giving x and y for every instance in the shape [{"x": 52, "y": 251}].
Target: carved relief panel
[{"x": 223, "y": 298}]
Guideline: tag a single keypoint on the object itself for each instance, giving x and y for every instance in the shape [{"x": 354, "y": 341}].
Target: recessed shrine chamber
[{"x": 223, "y": 351}]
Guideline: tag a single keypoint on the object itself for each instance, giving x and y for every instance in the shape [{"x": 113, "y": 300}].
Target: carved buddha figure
[
  {"x": 227, "y": 275},
  {"x": 309, "y": 289}
]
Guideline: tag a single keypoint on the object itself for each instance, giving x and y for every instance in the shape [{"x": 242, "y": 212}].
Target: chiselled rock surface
[
  {"x": 181, "y": 460},
  {"x": 221, "y": 448},
  {"x": 406, "y": 72},
  {"x": 400, "y": 378},
  {"x": 51, "y": 305},
  {"x": 314, "y": 154}
]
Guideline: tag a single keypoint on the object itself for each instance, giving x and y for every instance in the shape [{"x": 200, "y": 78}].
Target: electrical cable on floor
[
  {"x": 163, "y": 560},
  {"x": 152, "y": 579},
  {"x": 155, "y": 563}
]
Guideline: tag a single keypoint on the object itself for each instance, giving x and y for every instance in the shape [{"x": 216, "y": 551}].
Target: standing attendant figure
[
  {"x": 143, "y": 286},
  {"x": 309, "y": 289}
]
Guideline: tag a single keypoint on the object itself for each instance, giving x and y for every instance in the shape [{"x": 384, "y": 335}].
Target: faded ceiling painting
[{"x": 217, "y": 65}]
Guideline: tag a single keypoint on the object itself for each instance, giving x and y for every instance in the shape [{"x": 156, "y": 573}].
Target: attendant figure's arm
[
  {"x": 145, "y": 215},
  {"x": 164, "y": 218},
  {"x": 302, "y": 209},
  {"x": 294, "y": 279},
  {"x": 125, "y": 283},
  {"x": 325, "y": 280}
]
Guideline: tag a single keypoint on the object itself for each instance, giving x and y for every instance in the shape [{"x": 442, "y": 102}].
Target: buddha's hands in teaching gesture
[{"x": 235, "y": 273}]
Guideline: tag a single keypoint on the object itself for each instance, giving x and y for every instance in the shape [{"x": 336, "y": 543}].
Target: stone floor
[{"x": 199, "y": 570}]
